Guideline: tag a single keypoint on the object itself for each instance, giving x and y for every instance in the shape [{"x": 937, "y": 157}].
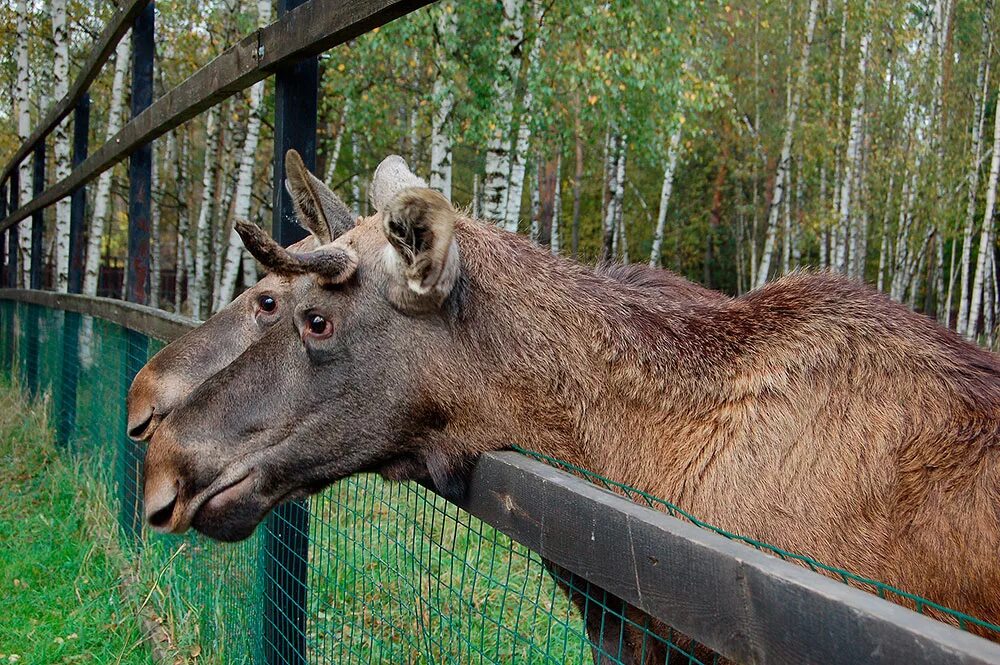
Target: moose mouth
[{"x": 233, "y": 511}]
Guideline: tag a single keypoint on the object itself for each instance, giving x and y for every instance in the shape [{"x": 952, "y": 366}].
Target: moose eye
[
  {"x": 318, "y": 326},
  {"x": 267, "y": 303}
]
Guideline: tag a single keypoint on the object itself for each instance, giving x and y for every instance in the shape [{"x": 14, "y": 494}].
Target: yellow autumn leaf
[{"x": 592, "y": 99}]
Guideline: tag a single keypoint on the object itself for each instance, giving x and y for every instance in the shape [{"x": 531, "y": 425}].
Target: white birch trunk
[
  {"x": 23, "y": 131},
  {"x": 356, "y": 178},
  {"x": 183, "y": 251},
  {"x": 203, "y": 227},
  {"x": 241, "y": 206},
  {"x": 848, "y": 231},
  {"x": 665, "y": 191},
  {"x": 781, "y": 176},
  {"x": 520, "y": 154},
  {"x": 61, "y": 144},
  {"x": 536, "y": 201},
  {"x": 978, "y": 117},
  {"x": 440, "y": 175},
  {"x": 986, "y": 234},
  {"x": 102, "y": 197},
  {"x": 497, "y": 177},
  {"x": 338, "y": 141},
  {"x": 555, "y": 240}
]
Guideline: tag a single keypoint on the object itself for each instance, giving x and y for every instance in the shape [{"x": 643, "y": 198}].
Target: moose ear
[
  {"x": 316, "y": 206},
  {"x": 420, "y": 227},
  {"x": 391, "y": 177}
]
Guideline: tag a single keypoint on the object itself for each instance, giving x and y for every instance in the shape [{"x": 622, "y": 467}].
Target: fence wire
[{"x": 393, "y": 573}]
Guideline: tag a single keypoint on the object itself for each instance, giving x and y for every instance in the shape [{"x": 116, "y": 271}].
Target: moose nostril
[
  {"x": 160, "y": 507},
  {"x": 139, "y": 431},
  {"x": 161, "y": 517}
]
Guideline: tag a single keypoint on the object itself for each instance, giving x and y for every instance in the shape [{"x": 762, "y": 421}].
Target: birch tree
[
  {"x": 444, "y": 96},
  {"x": 203, "y": 227},
  {"x": 497, "y": 177},
  {"x": 847, "y": 233},
  {"x": 102, "y": 197},
  {"x": 23, "y": 131},
  {"x": 665, "y": 191},
  {"x": 520, "y": 153},
  {"x": 784, "y": 161},
  {"x": 60, "y": 73},
  {"x": 244, "y": 182},
  {"x": 978, "y": 117},
  {"x": 986, "y": 234}
]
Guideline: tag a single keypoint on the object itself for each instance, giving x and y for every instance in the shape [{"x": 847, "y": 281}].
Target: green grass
[{"x": 60, "y": 594}]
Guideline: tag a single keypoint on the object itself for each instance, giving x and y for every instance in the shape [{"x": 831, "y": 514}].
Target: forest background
[{"x": 732, "y": 144}]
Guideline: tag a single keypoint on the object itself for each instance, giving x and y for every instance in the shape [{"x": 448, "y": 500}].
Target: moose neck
[{"x": 567, "y": 362}]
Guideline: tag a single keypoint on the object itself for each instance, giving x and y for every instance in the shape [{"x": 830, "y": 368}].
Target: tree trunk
[
  {"x": 61, "y": 144},
  {"x": 549, "y": 191},
  {"x": 23, "y": 131},
  {"x": 203, "y": 227},
  {"x": 986, "y": 235},
  {"x": 665, "y": 190},
  {"x": 444, "y": 96},
  {"x": 241, "y": 198},
  {"x": 577, "y": 184},
  {"x": 615, "y": 165},
  {"x": 102, "y": 197},
  {"x": 183, "y": 252},
  {"x": 513, "y": 212},
  {"x": 555, "y": 241},
  {"x": 338, "y": 141},
  {"x": 848, "y": 232},
  {"x": 978, "y": 117},
  {"x": 244, "y": 183},
  {"x": 784, "y": 162},
  {"x": 497, "y": 178}
]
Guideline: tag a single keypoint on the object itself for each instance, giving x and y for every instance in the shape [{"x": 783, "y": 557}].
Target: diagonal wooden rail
[{"x": 310, "y": 29}]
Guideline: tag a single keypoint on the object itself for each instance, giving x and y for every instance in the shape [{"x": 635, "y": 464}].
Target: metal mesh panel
[{"x": 368, "y": 571}]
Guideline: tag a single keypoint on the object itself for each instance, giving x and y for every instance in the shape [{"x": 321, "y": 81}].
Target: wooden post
[
  {"x": 71, "y": 331},
  {"x": 286, "y": 549},
  {"x": 140, "y": 171}
]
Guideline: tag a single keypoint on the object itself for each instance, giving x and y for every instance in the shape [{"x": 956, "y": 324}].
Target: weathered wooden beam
[
  {"x": 747, "y": 605},
  {"x": 99, "y": 54},
  {"x": 140, "y": 318},
  {"x": 312, "y": 28}
]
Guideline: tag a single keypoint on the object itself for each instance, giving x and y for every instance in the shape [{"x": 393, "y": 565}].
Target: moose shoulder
[{"x": 814, "y": 413}]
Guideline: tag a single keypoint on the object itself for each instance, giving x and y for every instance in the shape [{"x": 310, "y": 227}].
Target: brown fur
[{"x": 814, "y": 413}]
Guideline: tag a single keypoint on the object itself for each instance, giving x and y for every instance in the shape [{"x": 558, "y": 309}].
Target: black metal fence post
[
  {"x": 4, "y": 273},
  {"x": 130, "y": 455},
  {"x": 13, "y": 247},
  {"x": 71, "y": 329},
  {"x": 286, "y": 546},
  {"x": 37, "y": 240},
  {"x": 13, "y": 250}
]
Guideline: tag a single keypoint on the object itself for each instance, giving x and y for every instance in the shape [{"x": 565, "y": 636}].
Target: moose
[{"x": 813, "y": 413}]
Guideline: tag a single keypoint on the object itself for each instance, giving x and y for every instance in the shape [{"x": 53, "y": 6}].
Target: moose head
[
  {"x": 173, "y": 373},
  {"x": 338, "y": 385}
]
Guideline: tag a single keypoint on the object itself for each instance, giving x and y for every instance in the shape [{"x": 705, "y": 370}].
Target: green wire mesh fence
[{"x": 392, "y": 572}]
